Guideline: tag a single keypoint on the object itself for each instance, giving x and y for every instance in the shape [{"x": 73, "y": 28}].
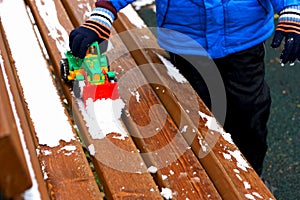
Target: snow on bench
[
  {"x": 141, "y": 184},
  {"x": 56, "y": 146}
]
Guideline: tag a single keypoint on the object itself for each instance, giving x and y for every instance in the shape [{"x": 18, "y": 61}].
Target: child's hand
[
  {"x": 96, "y": 28},
  {"x": 289, "y": 28}
]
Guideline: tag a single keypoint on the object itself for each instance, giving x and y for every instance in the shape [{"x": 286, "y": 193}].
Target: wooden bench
[
  {"x": 159, "y": 149},
  {"x": 17, "y": 178}
]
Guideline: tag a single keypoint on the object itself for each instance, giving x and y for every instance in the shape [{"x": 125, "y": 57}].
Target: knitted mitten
[
  {"x": 288, "y": 27},
  {"x": 96, "y": 28}
]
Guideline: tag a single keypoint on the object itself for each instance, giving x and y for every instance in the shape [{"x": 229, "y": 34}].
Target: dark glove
[
  {"x": 96, "y": 28},
  {"x": 289, "y": 28}
]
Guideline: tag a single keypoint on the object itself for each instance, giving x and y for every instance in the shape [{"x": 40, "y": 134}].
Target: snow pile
[
  {"x": 51, "y": 125},
  {"x": 212, "y": 124},
  {"x": 103, "y": 117},
  {"x": 133, "y": 16},
  {"x": 92, "y": 150},
  {"x": 241, "y": 162},
  {"x": 152, "y": 169},
  {"x": 173, "y": 72},
  {"x": 166, "y": 193}
]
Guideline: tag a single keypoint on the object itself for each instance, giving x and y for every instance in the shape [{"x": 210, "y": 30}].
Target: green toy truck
[{"x": 91, "y": 76}]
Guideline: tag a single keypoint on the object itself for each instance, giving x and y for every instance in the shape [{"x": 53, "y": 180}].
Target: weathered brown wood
[
  {"x": 161, "y": 143},
  {"x": 67, "y": 172},
  {"x": 123, "y": 164},
  {"x": 115, "y": 181},
  {"x": 81, "y": 8},
  {"x": 219, "y": 147},
  {"x": 228, "y": 178},
  {"x": 184, "y": 183},
  {"x": 74, "y": 160},
  {"x": 14, "y": 176},
  {"x": 26, "y": 124}
]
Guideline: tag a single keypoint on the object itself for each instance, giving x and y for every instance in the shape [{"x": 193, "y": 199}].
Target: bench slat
[
  {"x": 142, "y": 184},
  {"x": 26, "y": 124},
  {"x": 163, "y": 146},
  {"x": 68, "y": 149},
  {"x": 14, "y": 176}
]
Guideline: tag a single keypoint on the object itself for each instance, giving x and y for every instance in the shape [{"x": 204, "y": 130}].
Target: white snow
[
  {"x": 145, "y": 37},
  {"x": 133, "y": 16},
  {"x": 48, "y": 12},
  {"x": 203, "y": 144},
  {"x": 164, "y": 177},
  {"x": 152, "y": 169},
  {"x": 92, "y": 150},
  {"x": 250, "y": 196},
  {"x": 257, "y": 195},
  {"x": 173, "y": 72},
  {"x": 33, "y": 192},
  {"x": 239, "y": 177},
  {"x": 246, "y": 185},
  {"x": 46, "y": 110},
  {"x": 227, "y": 156},
  {"x": 85, "y": 6},
  {"x": 212, "y": 124},
  {"x": 103, "y": 117},
  {"x": 68, "y": 149},
  {"x": 136, "y": 94},
  {"x": 45, "y": 152},
  {"x": 138, "y": 4},
  {"x": 241, "y": 162},
  {"x": 166, "y": 193},
  {"x": 184, "y": 129}
]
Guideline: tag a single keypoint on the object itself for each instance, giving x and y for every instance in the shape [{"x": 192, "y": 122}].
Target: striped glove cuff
[
  {"x": 289, "y": 20},
  {"x": 101, "y": 19}
]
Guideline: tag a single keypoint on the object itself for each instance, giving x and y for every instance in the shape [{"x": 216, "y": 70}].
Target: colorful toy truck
[{"x": 91, "y": 76}]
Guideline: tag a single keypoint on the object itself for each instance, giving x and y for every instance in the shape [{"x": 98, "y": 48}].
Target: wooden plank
[
  {"x": 14, "y": 176},
  {"x": 228, "y": 178},
  {"x": 115, "y": 181},
  {"x": 50, "y": 156},
  {"x": 26, "y": 124},
  {"x": 161, "y": 143},
  {"x": 68, "y": 174}
]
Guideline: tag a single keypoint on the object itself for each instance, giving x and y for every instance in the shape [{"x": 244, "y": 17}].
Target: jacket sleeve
[{"x": 278, "y": 5}]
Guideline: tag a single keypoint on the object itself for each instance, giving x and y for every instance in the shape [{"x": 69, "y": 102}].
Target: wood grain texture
[
  {"x": 184, "y": 108},
  {"x": 22, "y": 111},
  {"x": 14, "y": 176},
  {"x": 74, "y": 160},
  {"x": 113, "y": 180}
]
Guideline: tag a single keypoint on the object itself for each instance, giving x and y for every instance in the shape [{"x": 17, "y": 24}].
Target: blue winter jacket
[{"x": 221, "y": 27}]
